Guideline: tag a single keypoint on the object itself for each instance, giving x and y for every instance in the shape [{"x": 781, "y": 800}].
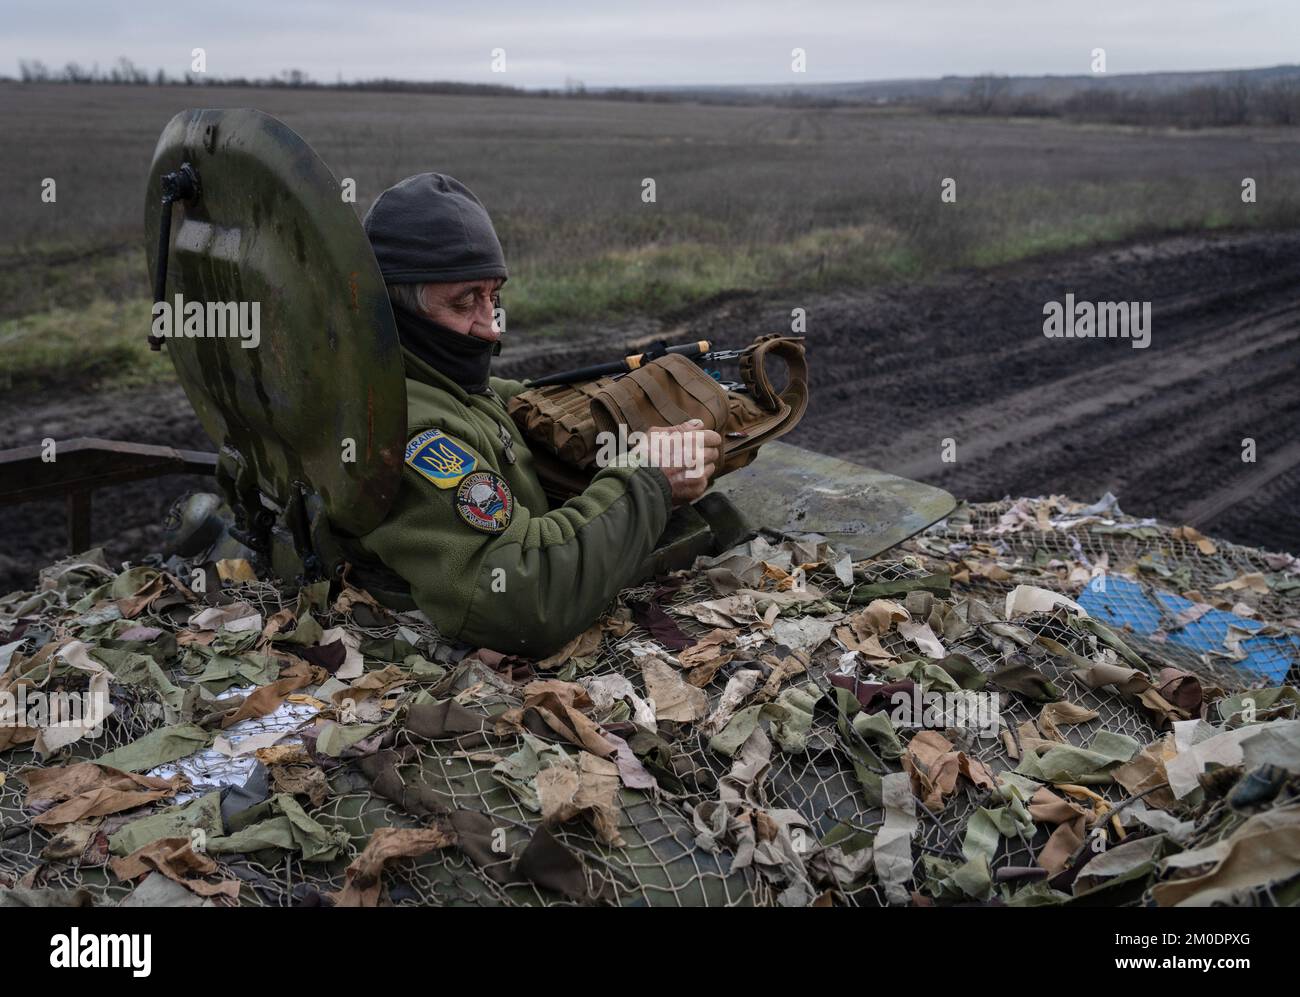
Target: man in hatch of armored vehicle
[{"x": 471, "y": 531}]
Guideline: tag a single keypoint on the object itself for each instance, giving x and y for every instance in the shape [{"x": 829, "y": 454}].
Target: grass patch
[
  {"x": 100, "y": 344},
  {"x": 659, "y": 278},
  {"x": 47, "y": 277}
]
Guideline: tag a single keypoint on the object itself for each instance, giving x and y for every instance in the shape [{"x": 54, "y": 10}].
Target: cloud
[{"x": 671, "y": 42}]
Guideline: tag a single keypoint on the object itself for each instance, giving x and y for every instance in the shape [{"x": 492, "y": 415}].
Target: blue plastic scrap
[{"x": 1123, "y": 602}]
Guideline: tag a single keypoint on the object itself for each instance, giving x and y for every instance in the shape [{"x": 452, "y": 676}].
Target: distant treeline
[
  {"x": 126, "y": 73},
  {"x": 1238, "y": 102}
]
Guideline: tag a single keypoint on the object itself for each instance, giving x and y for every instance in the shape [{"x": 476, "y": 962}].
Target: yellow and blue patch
[{"x": 440, "y": 458}]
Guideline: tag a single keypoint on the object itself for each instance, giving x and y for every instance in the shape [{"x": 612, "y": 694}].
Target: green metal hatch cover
[
  {"x": 325, "y": 381},
  {"x": 858, "y": 509}
]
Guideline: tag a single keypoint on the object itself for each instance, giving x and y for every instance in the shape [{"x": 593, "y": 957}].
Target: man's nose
[{"x": 484, "y": 313}]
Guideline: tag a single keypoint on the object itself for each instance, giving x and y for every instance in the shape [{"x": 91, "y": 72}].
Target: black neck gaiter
[{"x": 464, "y": 359}]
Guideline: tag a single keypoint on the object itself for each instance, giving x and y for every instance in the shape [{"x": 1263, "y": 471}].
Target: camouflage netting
[{"x": 744, "y": 733}]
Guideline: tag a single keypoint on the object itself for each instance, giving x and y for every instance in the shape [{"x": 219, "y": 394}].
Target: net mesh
[{"x": 660, "y": 861}]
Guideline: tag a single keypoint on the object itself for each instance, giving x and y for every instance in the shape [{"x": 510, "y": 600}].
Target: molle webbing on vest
[{"x": 565, "y": 420}]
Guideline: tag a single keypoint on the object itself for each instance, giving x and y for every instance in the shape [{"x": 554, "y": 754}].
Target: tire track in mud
[
  {"x": 1276, "y": 476},
  {"x": 1161, "y": 427},
  {"x": 1146, "y": 389}
]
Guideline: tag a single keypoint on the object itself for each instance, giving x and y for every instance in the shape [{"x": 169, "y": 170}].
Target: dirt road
[{"x": 898, "y": 371}]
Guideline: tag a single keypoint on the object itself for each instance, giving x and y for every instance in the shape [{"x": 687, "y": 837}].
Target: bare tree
[
  {"x": 985, "y": 92},
  {"x": 33, "y": 71}
]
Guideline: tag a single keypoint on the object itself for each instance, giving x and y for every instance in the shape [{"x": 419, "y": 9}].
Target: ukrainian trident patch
[
  {"x": 440, "y": 458},
  {"x": 484, "y": 502}
]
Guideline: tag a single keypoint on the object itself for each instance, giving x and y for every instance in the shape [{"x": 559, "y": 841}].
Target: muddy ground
[{"x": 898, "y": 370}]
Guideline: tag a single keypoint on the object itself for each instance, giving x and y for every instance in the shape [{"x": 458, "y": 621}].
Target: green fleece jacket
[{"x": 549, "y": 573}]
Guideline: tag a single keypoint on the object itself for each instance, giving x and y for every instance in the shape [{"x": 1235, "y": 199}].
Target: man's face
[{"x": 467, "y": 306}]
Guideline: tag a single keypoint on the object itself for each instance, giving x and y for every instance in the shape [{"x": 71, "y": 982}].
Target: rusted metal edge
[
  {"x": 84, "y": 464},
  {"x": 73, "y": 469}
]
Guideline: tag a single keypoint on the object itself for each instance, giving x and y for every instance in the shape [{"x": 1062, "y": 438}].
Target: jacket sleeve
[
  {"x": 505, "y": 387},
  {"x": 540, "y": 582}
]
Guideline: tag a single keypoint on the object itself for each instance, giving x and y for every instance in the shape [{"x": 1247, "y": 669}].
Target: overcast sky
[{"x": 664, "y": 42}]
